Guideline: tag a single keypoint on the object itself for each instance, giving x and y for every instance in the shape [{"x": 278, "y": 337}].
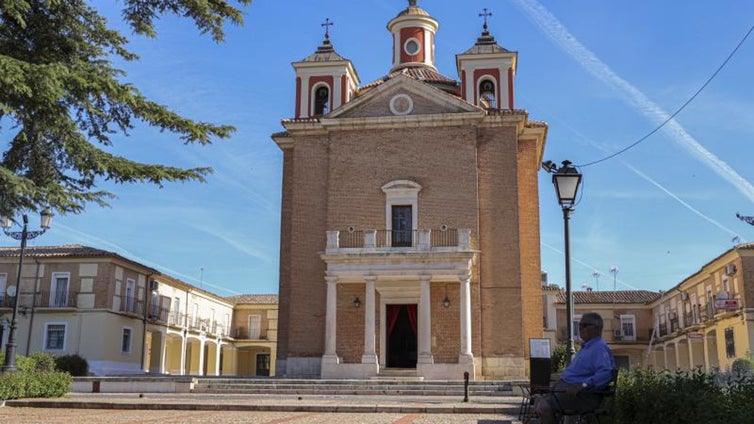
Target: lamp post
[
  {"x": 23, "y": 235},
  {"x": 566, "y": 180}
]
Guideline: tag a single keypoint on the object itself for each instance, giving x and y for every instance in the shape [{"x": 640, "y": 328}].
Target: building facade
[
  {"x": 127, "y": 318},
  {"x": 410, "y": 215},
  {"x": 705, "y": 321}
]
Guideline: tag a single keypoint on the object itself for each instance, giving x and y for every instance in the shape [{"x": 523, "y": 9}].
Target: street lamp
[
  {"x": 15, "y": 291},
  {"x": 566, "y": 180}
]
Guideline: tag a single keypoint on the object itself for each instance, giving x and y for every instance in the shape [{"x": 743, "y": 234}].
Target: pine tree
[{"x": 61, "y": 100}]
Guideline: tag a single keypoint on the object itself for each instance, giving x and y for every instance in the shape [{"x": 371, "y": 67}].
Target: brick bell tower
[
  {"x": 487, "y": 72},
  {"x": 325, "y": 80}
]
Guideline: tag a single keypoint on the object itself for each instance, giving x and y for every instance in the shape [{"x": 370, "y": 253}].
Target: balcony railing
[
  {"x": 158, "y": 314},
  {"x": 48, "y": 299},
  {"x": 416, "y": 239},
  {"x": 243, "y": 333},
  {"x": 663, "y": 329},
  {"x": 132, "y": 305}
]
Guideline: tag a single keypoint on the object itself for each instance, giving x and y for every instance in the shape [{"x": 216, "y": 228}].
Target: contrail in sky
[
  {"x": 550, "y": 25},
  {"x": 590, "y": 267},
  {"x": 121, "y": 251}
]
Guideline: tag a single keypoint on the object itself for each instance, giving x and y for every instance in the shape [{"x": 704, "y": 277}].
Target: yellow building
[
  {"x": 127, "y": 318},
  {"x": 707, "y": 320}
]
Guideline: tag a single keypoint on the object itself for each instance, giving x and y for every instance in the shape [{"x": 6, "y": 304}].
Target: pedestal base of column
[
  {"x": 425, "y": 358},
  {"x": 330, "y": 359},
  {"x": 465, "y": 358},
  {"x": 369, "y": 358}
]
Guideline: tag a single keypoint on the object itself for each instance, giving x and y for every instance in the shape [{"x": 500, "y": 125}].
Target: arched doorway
[{"x": 401, "y": 336}]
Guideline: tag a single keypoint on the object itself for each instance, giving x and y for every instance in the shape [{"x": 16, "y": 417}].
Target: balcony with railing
[
  {"x": 158, "y": 314},
  {"x": 132, "y": 305},
  {"x": 53, "y": 299},
  {"x": 663, "y": 329},
  {"x": 385, "y": 240},
  {"x": 176, "y": 319}
]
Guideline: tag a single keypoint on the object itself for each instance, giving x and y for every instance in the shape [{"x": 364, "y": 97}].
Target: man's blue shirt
[{"x": 592, "y": 365}]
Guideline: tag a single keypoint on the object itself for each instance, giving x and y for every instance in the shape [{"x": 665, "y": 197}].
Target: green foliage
[
  {"x": 20, "y": 384},
  {"x": 75, "y": 365},
  {"x": 35, "y": 377},
  {"x": 743, "y": 366},
  {"x": 648, "y": 397},
  {"x": 559, "y": 356},
  {"x": 61, "y": 100}
]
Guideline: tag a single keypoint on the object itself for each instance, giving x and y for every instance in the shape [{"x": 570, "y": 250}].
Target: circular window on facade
[
  {"x": 401, "y": 104},
  {"x": 411, "y": 47}
]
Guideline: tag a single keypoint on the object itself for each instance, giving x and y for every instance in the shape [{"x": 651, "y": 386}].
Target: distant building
[
  {"x": 127, "y": 318},
  {"x": 706, "y": 321},
  {"x": 410, "y": 214}
]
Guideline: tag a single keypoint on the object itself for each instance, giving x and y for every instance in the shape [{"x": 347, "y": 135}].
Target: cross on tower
[
  {"x": 411, "y": 3},
  {"x": 485, "y": 13},
  {"x": 327, "y": 24}
]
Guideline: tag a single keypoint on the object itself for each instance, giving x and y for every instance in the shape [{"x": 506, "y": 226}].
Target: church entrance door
[{"x": 401, "y": 336}]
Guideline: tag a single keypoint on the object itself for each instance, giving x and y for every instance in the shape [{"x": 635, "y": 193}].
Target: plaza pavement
[{"x": 244, "y": 408}]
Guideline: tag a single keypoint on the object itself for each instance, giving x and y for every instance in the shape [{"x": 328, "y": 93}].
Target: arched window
[
  {"x": 487, "y": 94},
  {"x": 321, "y": 100}
]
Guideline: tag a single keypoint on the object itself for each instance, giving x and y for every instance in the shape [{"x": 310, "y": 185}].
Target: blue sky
[{"x": 602, "y": 74}]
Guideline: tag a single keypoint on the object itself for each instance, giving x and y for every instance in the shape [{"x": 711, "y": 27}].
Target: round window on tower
[{"x": 411, "y": 46}]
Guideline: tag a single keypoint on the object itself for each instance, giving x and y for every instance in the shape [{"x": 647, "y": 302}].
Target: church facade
[{"x": 410, "y": 215}]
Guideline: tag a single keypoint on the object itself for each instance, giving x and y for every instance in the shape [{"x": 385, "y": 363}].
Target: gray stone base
[
  {"x": 299, "y": 367},
  {"x": 503, "y": 368}
]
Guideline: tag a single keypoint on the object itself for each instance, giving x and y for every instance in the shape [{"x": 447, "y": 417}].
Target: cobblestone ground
[{"x": 100, "y": 416}]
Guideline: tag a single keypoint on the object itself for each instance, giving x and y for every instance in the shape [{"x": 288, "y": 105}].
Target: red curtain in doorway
[
  {"x": 392, "y": 317},
  {"x": 411, "y": 309}
]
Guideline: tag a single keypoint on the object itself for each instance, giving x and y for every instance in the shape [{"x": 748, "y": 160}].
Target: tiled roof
[
  {"x": 325, "y": 53},
  {"x": 253, "y": 299},
  {"x": 486, "y": 44},
  {"x": 66, "y": 250},
  {"x": 420, "y": 73},
  {"x": 69, "y": 251},
  {"x": 620, "y": 296}
]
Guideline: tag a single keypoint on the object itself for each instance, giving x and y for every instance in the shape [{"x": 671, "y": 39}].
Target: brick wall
[{"x": 446, "y": 327}]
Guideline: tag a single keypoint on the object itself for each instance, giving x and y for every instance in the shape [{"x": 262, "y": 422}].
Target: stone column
[
  {"x": 466, "y": 356},
  {"x": 183, "y": 354},
  {"x": 163, "y": 351},
  {"x": 370, "y": 354},
  {"x": 425, "y": 322},
  {"x": 218, "y": 349},
  {"x": 202, "y": 344},
  {"x": 330, "y": 355}
]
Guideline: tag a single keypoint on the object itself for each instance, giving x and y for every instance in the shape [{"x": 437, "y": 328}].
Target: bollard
[{"x": 465, "y": 386}]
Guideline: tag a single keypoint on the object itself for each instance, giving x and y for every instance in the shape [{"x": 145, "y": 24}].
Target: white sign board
[
  {"x": 540, "y": 348},
  {"x": 727, "y": 304}
]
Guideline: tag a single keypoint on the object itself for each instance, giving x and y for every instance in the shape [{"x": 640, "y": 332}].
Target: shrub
[
  {"x": 648, "y": 397},
  {"x": 75, "y": 365},
  {"x": 559, "y": 355},
  {"x": 17, "y": 385},
  {"x": 742, "y": 367},
  {"x": 36, "y": 362}
]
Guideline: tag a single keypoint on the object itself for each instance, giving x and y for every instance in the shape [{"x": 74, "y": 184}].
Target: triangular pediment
[{"x": 402, "y": 96}]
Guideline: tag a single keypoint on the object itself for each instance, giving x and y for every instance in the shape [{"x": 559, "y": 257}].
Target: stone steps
[{"x": 381, "y": 386}]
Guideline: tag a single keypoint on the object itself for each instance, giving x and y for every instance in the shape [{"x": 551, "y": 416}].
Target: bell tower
[
  {"x": 413, "y": 38},
  {"x": 487, "y": 71},
  {"x": 325, "y": 80}
]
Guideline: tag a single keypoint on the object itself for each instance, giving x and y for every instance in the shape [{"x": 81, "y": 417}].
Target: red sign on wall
[{"x": 727, "y": 304}]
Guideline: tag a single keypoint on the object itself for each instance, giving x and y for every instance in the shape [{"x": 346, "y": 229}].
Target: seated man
[{"x": 591, "y": 369}]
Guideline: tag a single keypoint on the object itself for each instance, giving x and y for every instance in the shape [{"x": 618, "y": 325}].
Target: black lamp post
[
  {"x": 23, "y": 235},
  {"x": 567, "y": 180}
]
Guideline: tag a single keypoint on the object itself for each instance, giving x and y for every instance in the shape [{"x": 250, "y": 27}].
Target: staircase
[{"x": 380, "y": 385}]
